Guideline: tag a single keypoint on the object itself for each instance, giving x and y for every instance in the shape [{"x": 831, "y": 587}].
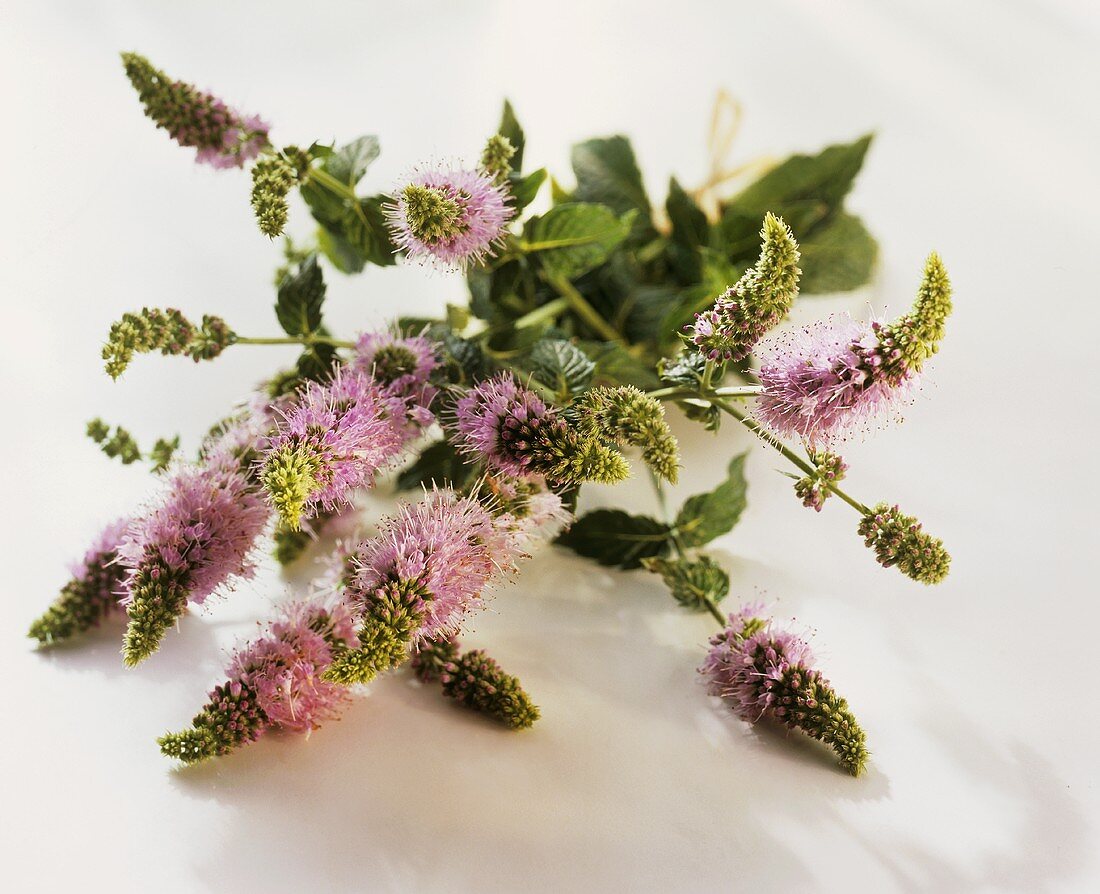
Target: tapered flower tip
[
  {"x": 899, "y": 539},
  {"x": 189, "y": 746}
]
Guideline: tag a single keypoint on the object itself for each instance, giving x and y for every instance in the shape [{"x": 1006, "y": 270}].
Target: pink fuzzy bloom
[
  {"x": 243, "y": 139},
  {"x": 823, "y": 382},
  {"x": 528, "y": 509},
  {"x": 101, "y": 552},
  {"x": 284, "y": 667},
  {"x": 449, "y": 546},
  {"x": 499, "y": 421},
  {"x": 403, "y": 366},
  {"x": 335, "y": 439},
  {"x": 200, "y": 534},
  {"x": 453, "y": 217}
]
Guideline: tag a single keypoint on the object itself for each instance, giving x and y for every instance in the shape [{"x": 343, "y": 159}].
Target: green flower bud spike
[
  {"x": 290, "y": 476},
  {"x": 476, "y": 681},
  {"x": 167, "y": 331},
  {"x": 384, "y": 637},
  {"x": 158, "y": 599},
  {"x": 273, "y": 177},
  {"x": 231, "y": 718},
  {"x": 911, "y": 339},
  {"x": 496, "y": 157},
  {"x": 898, "y": 539},
  {"x": 625, "y": 415}
]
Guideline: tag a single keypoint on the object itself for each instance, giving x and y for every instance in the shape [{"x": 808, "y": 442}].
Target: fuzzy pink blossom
[
  {"x": 499, "y": 421},
  {"x": 453, "y": 217},
  {"x": 335, "y": 439},
  {"x": 823, "y": 382},
  {"x": 403, "y": 366},
  {"x": 528, "y": 509},
  {"x": 449, "y": 546}
]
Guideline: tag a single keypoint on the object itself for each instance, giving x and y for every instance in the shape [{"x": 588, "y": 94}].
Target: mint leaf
[
  {"x": 686, "y": 368},
  {"x": 689, "y": 223},
  {"x": 692, "y": 582},
  {"x": 509, "y": 127},
  {"x": 607, "y": 173},
  {"x": 300, "y": 296},
  {"x": 614, "y": 537},
  {"x": 349, "y": 163},
  {"x": 525, "y": 188},
  {"x": 561, "y": 366},
  {"x": 438, "y": 463},
  {"x": 706, "y": 516},
  {"x": 573, "y": 238},
  {"x": 839, "y": 256}
]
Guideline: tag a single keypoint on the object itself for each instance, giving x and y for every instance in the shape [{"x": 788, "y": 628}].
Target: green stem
[
  {"x": 757, "y": 429},
  {"x": 325, "y": 179},
  {"x": 676, "y": 392},
  {"x": 295, "y": 340},
  {"x": 541, "y": 314},
  {"x": 580, "y": 306}
]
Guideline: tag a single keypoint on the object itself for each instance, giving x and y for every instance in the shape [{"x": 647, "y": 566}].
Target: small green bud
[
  {"x": 625, "y": 415},
  {"x": 290, "y": 476},
  {"x": 167, "y": 331},
  {"x": 384, "y": 637},
  {"x": 273, "y": 177},
  {"x": 496, "y": 157},
  {"x": 158, "y": 599},
  {"x": 432, "y": 216}
]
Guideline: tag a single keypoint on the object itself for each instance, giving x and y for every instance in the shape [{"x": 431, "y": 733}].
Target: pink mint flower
[
  {"x": 403, "y": 366},
  {"x": 452, "y": 217},
  {"x": 500, "y": 421},
  {"x": 335, "y": 439},
  {"x": 824, "y": 382},
  {"x": 193, "y": 542},
  {"x": 274, "y": 683},
  {"x": 449, "y": 547},
  {"x": 766, "y": 672}
]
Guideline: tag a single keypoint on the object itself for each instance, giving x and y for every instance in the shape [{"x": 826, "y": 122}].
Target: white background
[{"x": 979, "y": 696}]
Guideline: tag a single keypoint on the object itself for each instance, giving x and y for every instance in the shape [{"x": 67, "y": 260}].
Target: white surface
[{"x": 978, "y": 696}]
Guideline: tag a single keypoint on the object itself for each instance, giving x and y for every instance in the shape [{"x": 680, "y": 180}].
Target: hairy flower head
[{"x": 452, "y": 217}]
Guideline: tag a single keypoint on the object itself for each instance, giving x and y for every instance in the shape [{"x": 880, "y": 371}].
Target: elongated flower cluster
[
  {"x": 899, "y": 539},
  {"x": 476, "y": 681},
  {"x": 167, "y": 331},
  {"x": 273, "y": 683},
  {"x": 223, "y": 137},
  {"x": 420, "y": 576},
  {"x": 515, "y": 432},
  {"x": 813, "y": 490},
  {"x": 335, "y": 439},
  {"x": 625, "y": 415},
  {"x": 764, "y": 672},
  {"x": 91, "y": 595},
  {"x": 450, "y": 216},
  {"x": 496, "y": 157},
  {"x": 193, "y": 542},
  {"x": 838, "y": 376},
  {"x": 273, "y": 177},
  {"x": 756, "y": 303}
]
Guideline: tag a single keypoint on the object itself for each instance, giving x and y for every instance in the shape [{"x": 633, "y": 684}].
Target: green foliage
[
  {"x": 509, "y": 129},
  {"x": 607, "y": 174},
  {"x": 573, "y": 238},
  {"x": 525, "y": 188},
  {"x": 614, "y": 537},
  {"x": 695, "y": 584},
  {"x": 561, "y": 366},
  {"x": 838, "y": 256},
  {"x": 708, "y": 515},
  {"x": 298, "y": 305},
  {"x": 438, "y": 463}
]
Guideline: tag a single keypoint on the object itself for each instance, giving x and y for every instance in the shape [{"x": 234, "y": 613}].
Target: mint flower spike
[
  {"x": 813, "y": 490},
  {"x": 496, "y": 157},
  {"x": 905, "y": 343},
  {"x": 764, "y": 672},
  {"x": 625, "y": 415},
  {"x": 273, "y": 683},
  {"x": 900, "y": 540},
  {"x": 394, "y": 614},
  {"x": 756, "y": 303},
  {"x": 167, "y": 331},
  {"x": 273, "y": 177},
  {"x": 91, "y": 595},
  {"x": 475, "y": 681},
  {"x": 193, "y": 118}
]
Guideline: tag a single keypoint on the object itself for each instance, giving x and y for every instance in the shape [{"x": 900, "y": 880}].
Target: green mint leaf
[
  {"x": 349, "y": 163},
  {"x": 614, "y": 537},
  {"x": 692, "y": 582},
  {"x": 561, "y": 366},
  {"x": 316, "y": 362},
  {"x": 525, "y": 188},
  {"x": 684, "y": 369},
  {"x": 300, "y": 297},
  {"x": 509, "y": 127},
  {"x": 573, "y": 238},
  {"x": 838, "y": 256},
  {"x": 607, "y": 173},
  {"x": 708, "y": 515},
  {"x": 615, "y": 365},
  {"x": 438, "y": 463},
  {"x": 689, "y": 223}
]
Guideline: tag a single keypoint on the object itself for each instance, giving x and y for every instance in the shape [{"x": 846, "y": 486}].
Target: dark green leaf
[
  {"x": 692, "y": 582},
  {"x": 524, "y": 189},
  {"x": 438, "y": 463},
  {"x": 709, "y": 515},
  {"x": 617, "y": 366},
  {"x": 838, "y": 257},
  {"x": 561, "y": 366},
  {"x": 614, "y": 537},
  {"x": 316, "y": 362},
  {"x": 509, "y": 127},
  {"x": 301, "y": 295},
  {"x": 573, "y": 238},
  {"x": 349, "y": 163},
  {"x": 689, "y": 223},
  {"x": 608, "y": 174},
  {"x": 341, "y": 254},
  {"x": 709, "y": 415},
  {"x": 686, "y": 368}
]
